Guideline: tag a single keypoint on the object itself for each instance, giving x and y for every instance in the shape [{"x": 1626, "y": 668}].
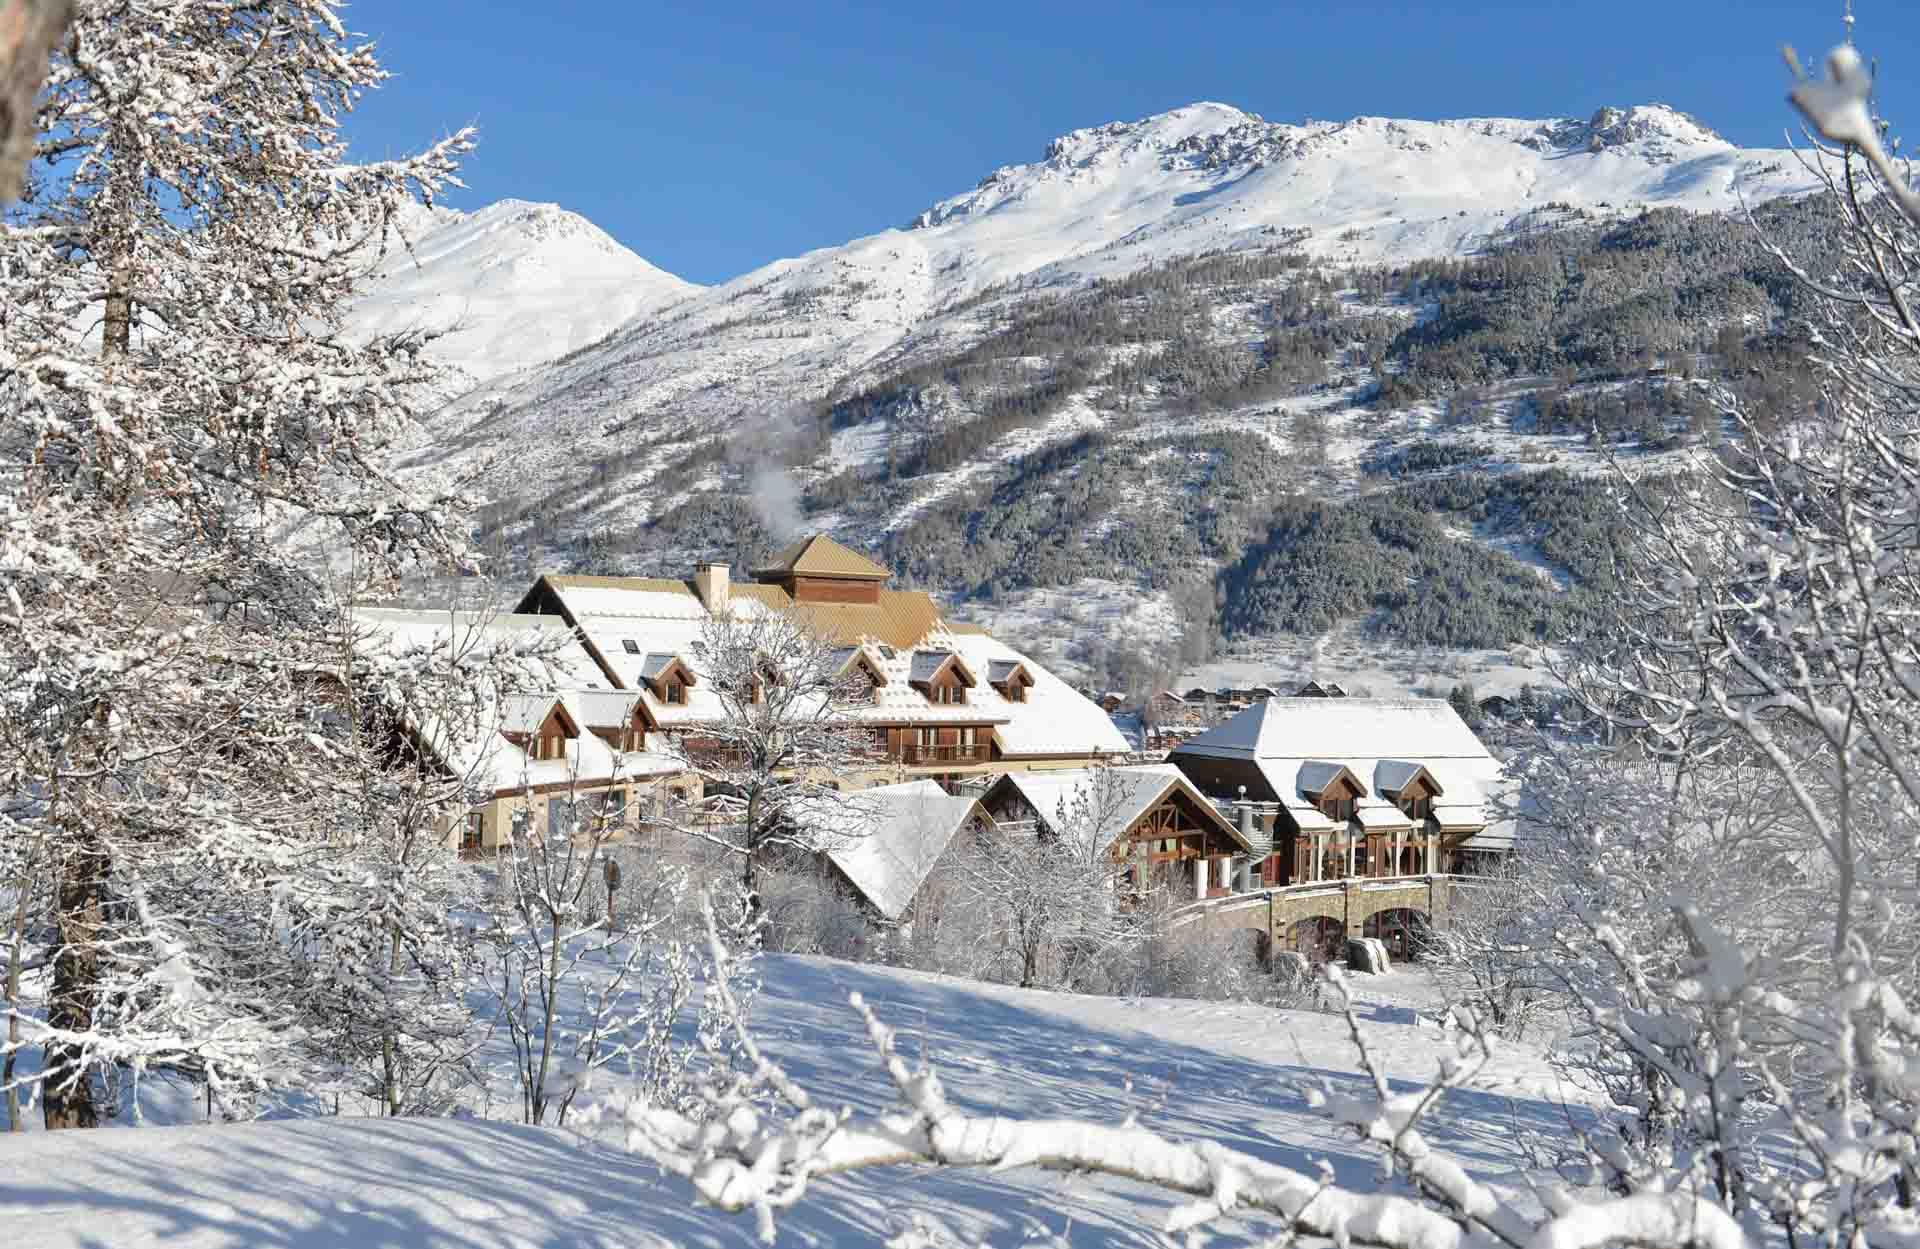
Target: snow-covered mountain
[
  {"x": 514, "y": 285},
  {"x": 654, "y": 440},
  {"x": 1101, "y": 202}
]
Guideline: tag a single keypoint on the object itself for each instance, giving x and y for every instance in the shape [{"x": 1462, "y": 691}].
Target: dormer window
[
  {"x": 539, "y": 725},
  {"x": 630, "y": 646},
  {"x": 941, "y": 677},
  {"x": 1339, "y": 810},
  {"x": 668, "y": 676},
  {"x": 1010, "y": 678}
]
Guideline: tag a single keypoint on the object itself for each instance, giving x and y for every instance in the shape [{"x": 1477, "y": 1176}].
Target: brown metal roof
[
  {"x": 901, "y": 618},
  {"x": 821, "y": 556}
]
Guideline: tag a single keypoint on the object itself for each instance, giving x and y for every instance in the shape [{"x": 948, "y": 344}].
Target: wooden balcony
[{"x": 915, "y": 755}]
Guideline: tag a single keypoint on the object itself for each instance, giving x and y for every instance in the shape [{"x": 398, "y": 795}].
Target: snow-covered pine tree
[{"x": 175, "y": 390}]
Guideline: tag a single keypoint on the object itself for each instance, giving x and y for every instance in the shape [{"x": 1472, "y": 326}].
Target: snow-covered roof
[
  {"x": 470, "y": 740},
  {"x": 902, "y": 638},
  {"x": 1053, "y": 718},
  {"x": 606, "y": 709},
  {"x": 546, "y": 651},
  {"x": 928, "y": 663},
  {"x": 1375, "y": 815},
  {"x": 1000, "y": 671},
  {"x": 1117, "y": 797},
  {"x": 525, "y": 713},
  {"x": 1344, "y": 728},
  {"x": 909, "y": 828},
  {"x": 1299, "y": 744}
]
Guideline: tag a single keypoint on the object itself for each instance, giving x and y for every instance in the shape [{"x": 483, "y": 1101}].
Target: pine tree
[{"x": 175, "y": 394}]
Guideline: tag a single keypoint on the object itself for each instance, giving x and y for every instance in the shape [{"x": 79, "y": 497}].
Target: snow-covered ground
[{"x": 1233, "y": 1073}]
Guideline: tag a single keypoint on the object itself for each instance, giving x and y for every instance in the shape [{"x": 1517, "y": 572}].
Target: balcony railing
[{"x": 914, "y": 753}]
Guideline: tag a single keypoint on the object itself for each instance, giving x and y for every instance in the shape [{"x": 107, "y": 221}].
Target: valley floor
[{"x": 1231, "y": 1072}]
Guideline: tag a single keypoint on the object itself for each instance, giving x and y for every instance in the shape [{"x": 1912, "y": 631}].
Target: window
[
  {"x": 950, "y": 694},
  {"x": 673, "y": 692},
  {"x": 1418, "y": 808},
  {"x": 630, "y": 646},
  {"x": 1337, "y": 809},
  {"x": 613, "y": 805},
  {"x": 471, "y": 834}
]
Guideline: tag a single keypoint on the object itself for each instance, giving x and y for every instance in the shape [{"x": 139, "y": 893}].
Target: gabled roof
[
  {"x": 908, "y": 827},
  {"x": 821, "y": 556},
  {"x": 656, "y": 666},
  {"x": 607, "y": 709},
  {"x": 927, "y": 665},
  {"x": 1119, "y": 796},
  {"x": 1001, "y": 671},
  {"x": 856, "y": 656},
  {"x": 525, "y": 713},
  {"x": 1390, "y": 776},
  {"x": 1315, "y": 777}
]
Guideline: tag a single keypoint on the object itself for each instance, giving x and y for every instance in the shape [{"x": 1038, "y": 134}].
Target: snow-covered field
[{"x": 1233, "y": 1073}]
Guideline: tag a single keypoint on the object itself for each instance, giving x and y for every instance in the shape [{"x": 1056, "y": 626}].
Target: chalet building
[
  {"x": 901, "y": 831},
  {"x": 1320, "y": 689},
  {"x": 946, "y": 700},
  {"x": 1151, "y": 812},
  {"x": 1354, "y": 787},
  {"x": 544, "y": 762}
]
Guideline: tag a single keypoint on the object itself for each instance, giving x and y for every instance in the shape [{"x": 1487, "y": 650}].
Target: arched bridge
[{"x": 1320, "y": 916}]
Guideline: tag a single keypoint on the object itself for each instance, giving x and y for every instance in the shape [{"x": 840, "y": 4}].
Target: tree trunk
[
  {"x": 15, "y": 951},
  {"x": 80, "y": 905},
  {"x": 117, "y": 321},
  {"x": 28, "y": 31}
]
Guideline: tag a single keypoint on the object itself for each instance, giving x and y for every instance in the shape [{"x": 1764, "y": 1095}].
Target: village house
[
  {"x": 620, "y": 722},
  {"x": 544, "y": 761},
  {"x": 1355, "y": 787},
  {"x": 1151, "y": 813},
  {"x": 882, "y": 843},
  {"x": 945, "y": 700}
]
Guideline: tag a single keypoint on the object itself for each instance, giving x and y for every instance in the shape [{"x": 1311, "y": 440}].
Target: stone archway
[
  {"x": 1407, "y": 931},
  {"x": 1322, "y": 938}
]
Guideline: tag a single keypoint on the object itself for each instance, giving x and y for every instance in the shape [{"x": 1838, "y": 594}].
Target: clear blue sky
[{"x": 712, "y": 139}]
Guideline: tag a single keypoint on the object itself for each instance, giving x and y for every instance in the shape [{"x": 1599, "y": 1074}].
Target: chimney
[{"x": 710, "y": 582}]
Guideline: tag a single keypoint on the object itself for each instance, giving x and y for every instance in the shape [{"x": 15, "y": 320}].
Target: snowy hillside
[
  {"x": 1237, "y": 1074},
  {"x": 515, "y": 284}
]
